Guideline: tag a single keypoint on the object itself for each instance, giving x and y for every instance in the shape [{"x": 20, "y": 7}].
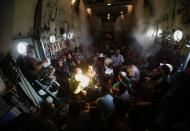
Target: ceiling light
[
  {"x": 108, "y": 4},
  {"x": 129, "y": 8},
  {"x": 73, "y": 2},
  {"x": 89, "y": 11}
]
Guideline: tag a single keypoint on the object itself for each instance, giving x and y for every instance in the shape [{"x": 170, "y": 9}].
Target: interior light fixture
[
  {"x": 108, "y": 16},
  {"x": 89, "y": 11},
  {"x": 108, "y": 4},
  {"x": 178, "y": 34},
  {"x": 129, "y": 8},
  {"x": 73, "y": 2}
]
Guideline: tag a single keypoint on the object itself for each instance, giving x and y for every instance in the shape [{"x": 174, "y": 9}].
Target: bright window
[{"x": 21, "y": 48}]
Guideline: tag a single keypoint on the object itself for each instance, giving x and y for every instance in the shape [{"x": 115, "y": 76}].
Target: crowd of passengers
[{"x": 121, "y": 96}]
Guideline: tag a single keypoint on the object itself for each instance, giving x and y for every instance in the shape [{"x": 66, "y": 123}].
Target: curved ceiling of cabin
[{"x": 103, "y": 7}]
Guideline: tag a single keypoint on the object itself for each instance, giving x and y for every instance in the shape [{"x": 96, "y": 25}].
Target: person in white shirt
[{"x": 117, "y": 59}]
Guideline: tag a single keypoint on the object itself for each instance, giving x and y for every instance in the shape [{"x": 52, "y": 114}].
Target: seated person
[
  {"x": 106, "y": 102},
  {"x": 117, "y": 59},
  {"x": 122, "y": 80},
  {"x": 78, "y": 55},
  {"x": 133, "y": 73},
  {"x": 49, "y": 78},
  {"x": 70, "y": 63},
  {"x": 31, "y": 68},
  {"x": 122, "y": 101},
  {"x": 163, "y": 83},
  {"x": 62, "y": 68},
  {"x": 79, "y": 82},
  {"x": 108, "y": 66}
]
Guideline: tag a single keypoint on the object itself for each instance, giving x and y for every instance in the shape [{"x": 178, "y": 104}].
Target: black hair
[
  {"x": 166, "y": 69},
  {"x": 29, "y": 47}
]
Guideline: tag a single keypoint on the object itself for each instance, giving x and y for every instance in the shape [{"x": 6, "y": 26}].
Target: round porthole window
[
  {"x": 21, "y": 48},
  {"x": 52, "y": 39},
  {"x": 178, "y": 34}
]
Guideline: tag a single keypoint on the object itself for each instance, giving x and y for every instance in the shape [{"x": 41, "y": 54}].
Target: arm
[
  {"x": 38, "y": 65},
  {"x": 122, "y": 59}
]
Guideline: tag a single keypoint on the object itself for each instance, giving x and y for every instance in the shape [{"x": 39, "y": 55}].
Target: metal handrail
[{"x": 27, "y": 84}]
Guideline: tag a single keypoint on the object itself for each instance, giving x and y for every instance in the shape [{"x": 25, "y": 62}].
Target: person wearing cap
[{"x": 101, "y": 55}]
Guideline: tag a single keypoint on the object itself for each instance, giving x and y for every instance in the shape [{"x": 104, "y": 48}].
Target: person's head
[
  {"x": 60, "y": 63},
  {"x": 117, "y": 52},
  {"x": 131, "y": 70},
  {"x": 51, "y": 70},
  {"x": 77, "y": 49},
  {"x": 64, "y": 57},
  {"x": 78, "y": 70},
  {"x": 101, "y": 55},
  {"x": 155, "y": 72},
  {"x": 69, "y": 56},
  {"x": 78, "y": 61},
  {"x": 165, "y": 70},
  {"x": 30, "y": 50},
  {"x": 107, "y": 61},
  {"x": 90, "y": 68},
  {"x": 122, "y": 75}
]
